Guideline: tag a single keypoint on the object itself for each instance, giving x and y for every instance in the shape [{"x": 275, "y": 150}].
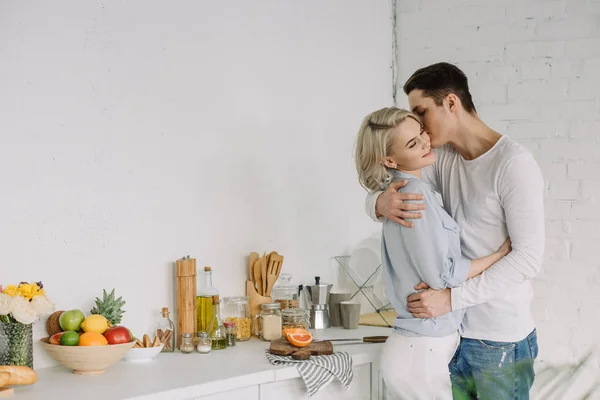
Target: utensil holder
[{"x": 255, "y": 300}]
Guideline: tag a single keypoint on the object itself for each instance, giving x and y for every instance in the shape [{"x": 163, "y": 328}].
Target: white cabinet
[
  {"x": 294, "y": 389},
  {"x": 247, "y": 393}
]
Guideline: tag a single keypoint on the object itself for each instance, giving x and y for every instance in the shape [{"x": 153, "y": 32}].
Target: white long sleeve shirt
[{"x": 497, "y": 195}]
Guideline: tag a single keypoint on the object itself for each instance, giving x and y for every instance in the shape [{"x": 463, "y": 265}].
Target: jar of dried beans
[
  {"x": 285, "y": 293},
  {"x": 295, "y": 318}
]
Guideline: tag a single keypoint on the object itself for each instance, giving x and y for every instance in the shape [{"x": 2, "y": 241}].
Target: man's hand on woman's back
[{"x": 397, "y": 206}]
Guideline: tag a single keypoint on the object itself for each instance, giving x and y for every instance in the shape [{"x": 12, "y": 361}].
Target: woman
[{"x": 392, "y": 145}]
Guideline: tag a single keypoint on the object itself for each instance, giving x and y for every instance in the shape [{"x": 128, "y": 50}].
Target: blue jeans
[{"x": 482, "y": 369}]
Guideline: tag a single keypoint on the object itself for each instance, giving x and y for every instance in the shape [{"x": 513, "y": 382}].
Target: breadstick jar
[
  {"x": 237, "y": 310},
  {"x": 165, "y": 330}
]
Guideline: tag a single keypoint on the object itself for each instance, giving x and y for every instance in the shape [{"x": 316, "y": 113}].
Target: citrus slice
[
  {"x": 299, "y": 339},
  {"x": 286, "y": 332}
]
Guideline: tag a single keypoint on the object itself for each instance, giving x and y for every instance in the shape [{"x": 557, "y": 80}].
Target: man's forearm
[
  {"x": 496, "y": 281},
  {"x": 371, "y": 206}
]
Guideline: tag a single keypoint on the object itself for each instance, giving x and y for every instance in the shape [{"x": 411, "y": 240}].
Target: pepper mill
[{"x": 186, "y": 297}]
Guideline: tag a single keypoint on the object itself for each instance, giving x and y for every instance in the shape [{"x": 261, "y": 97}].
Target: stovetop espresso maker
[{"x": 317, "y": 296}]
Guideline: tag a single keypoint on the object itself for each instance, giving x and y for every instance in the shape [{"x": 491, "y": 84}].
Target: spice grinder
[{"x": 317, "y": 296}]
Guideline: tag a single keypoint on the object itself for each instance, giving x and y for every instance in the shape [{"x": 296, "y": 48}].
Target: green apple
[{"x": 71, "y": 320}]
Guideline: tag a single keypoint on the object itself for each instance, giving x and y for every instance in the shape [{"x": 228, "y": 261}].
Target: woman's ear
[{"x": 388, "y": 162}]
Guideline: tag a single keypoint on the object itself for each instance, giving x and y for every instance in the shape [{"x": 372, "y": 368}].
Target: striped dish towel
[{"x": 318, "y": 371}]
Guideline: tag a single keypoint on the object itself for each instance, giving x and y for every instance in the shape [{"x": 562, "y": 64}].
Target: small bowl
[
  {"x": 143, "y": 354},
  {"x": 87, "y": 360}
]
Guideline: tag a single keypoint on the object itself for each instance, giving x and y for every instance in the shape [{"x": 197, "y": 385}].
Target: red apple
[
  {"x": 55, "y": 339},
  {"x": 118, "y": 335}
]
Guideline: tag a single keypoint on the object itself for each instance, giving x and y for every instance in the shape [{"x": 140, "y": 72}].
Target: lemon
[{"x": 95, "y": 323}]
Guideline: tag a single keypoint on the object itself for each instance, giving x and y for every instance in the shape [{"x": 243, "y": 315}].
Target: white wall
[
  {"x": 534, "y": 69},
  {"x": 134, "y": 133}
]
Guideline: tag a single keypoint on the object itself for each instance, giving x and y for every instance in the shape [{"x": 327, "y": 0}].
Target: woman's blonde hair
[{"x": 374, "y": 143}]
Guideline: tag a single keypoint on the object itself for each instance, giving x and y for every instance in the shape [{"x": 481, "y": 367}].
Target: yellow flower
[
  {"x": 29, "y": 291},
  {"x": 12, "y": 291}
]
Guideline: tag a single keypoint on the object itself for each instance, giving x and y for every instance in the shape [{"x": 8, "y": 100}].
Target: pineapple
[{"x": 109, "y": 307}]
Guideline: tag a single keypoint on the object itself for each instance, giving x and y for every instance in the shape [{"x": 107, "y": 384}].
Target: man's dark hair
[{"x": 438, "y": 81}]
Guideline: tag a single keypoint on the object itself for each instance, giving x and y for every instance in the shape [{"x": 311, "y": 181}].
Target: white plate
[{"x": 143, "y": 354}]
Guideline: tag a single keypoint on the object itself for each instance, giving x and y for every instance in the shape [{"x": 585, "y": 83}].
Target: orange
[
  {"x": 299, "y": 339},
  {"x": 92, "y": 339},
  {"x": 286, "y": 332}
]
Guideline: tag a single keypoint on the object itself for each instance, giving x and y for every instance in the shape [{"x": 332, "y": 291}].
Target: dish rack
[{"x": 365, "y": 287}]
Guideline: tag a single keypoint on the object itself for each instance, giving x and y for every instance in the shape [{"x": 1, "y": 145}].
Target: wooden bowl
[{"x": 87, "y": 360}]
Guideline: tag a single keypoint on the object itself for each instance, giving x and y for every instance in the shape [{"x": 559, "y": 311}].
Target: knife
[{"x": 366, "y": 339}]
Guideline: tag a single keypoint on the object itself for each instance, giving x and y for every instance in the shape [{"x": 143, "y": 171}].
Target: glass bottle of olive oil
[
  {"x": 216, "y": 328},
  {"x": 204, "y": 300}
]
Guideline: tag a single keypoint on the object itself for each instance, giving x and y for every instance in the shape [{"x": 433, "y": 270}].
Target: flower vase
[{"x": 16, "y": 344}]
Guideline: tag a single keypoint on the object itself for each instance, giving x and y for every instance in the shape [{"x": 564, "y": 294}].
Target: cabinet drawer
[
  {"x": 247, "y": 393},
  {"x": 294, "y": 389}
]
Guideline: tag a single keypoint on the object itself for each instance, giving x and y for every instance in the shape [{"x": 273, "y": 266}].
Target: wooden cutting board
[{"x": 282, "y": 347}]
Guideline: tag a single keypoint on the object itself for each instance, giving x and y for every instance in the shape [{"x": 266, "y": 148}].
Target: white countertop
[{"x": 182, "y": 376}]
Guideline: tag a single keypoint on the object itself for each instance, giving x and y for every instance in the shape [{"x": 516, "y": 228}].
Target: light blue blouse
[{"x": 429, "y": 252}]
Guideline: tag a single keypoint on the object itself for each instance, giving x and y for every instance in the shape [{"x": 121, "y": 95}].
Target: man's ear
[{"x": 453, "y": 102}]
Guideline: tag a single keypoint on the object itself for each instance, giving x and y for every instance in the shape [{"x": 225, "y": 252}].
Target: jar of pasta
[{"x": 237, "y": 310}]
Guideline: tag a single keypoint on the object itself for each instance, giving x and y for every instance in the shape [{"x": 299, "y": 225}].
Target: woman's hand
[
  {"x": 505, "y": 248},
  {"x": 392, "y": 205}
]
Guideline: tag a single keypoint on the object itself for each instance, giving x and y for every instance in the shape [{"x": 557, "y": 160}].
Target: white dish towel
[{"x": 318, "y": 371}]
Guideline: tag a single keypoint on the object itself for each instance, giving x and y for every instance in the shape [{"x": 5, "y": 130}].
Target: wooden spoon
[
  {"x": 273, "y": 271},
  {"x": 263, "y": 274},
  {"x": 257, "y": 276},
  {"x": 253, "y": 257}
]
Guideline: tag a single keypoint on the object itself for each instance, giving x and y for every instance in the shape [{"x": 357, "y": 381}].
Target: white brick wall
[{"x": 534, "y": 70}]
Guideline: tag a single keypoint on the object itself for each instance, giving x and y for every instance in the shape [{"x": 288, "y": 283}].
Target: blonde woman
[{"x": 392, "y": 145}]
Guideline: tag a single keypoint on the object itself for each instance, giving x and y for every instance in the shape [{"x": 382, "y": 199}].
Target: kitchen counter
[{"x": 187, "y": 376}]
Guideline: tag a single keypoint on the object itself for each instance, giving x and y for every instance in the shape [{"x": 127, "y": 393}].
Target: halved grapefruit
[
  {"x": 299, "y": 339},
  {"x": 286, "y": 332}
]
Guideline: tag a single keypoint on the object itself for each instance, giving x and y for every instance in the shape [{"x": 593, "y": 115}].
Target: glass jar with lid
[
  {"x": 204, "y": 345},
  {"x": 285, "y": 293},
  {"x": 186, "y": 343},
  {"x": 231, "y": 334},
  {"x": 295, "y": 318},
  {"x": 269, "y": 322},
  {"x": 237, "y": 310}
]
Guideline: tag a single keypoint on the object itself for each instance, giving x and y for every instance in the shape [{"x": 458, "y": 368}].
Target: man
[{"x": 493, "y": 188}]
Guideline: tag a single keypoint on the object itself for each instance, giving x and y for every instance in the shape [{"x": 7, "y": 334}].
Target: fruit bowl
[
  {"x": 87, "y": 360},
  {"x": 143, "y": 354}
]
